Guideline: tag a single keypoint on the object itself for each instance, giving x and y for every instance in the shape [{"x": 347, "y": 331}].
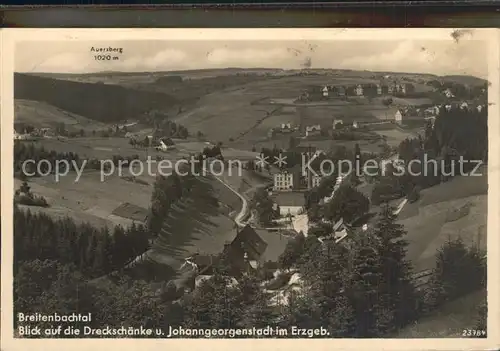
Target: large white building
[{"x": 284, "y": 181}]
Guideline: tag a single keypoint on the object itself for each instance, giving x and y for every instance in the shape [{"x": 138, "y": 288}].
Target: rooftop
[
  {"x": 276, "y": 244},
  {"x": 291, "y": 198},
  {"x": 131, "y": 211},
  {"x": 251, "y": 242}
]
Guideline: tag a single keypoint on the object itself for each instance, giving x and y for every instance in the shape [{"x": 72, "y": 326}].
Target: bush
[
  {"x": 456, "y": 214},
  {"x": 459, "y": 270}
]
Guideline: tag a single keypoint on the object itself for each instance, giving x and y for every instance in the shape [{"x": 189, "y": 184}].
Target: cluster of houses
[
  {"x": 284, "y": 128},
  {"x": 412, "y": 113},
  {"x": 297, "y": 178},
  {"x": 368, "y": 89},
  {"x": 309, "y": 130},
  {"x": 247, "y": 251},
  {"x": 35, "y": 133}
]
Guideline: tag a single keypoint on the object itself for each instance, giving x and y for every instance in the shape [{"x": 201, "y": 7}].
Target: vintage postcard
[{"x": 279, "y": 185}]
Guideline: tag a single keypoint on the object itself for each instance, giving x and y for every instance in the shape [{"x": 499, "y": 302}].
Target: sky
[{"x": 441, "y": 57}]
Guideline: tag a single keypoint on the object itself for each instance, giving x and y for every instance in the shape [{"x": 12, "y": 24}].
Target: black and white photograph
[{"x": 247, "y": 188}]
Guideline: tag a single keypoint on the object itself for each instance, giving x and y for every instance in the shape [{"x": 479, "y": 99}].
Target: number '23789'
[{"x": 473, "y": 333}]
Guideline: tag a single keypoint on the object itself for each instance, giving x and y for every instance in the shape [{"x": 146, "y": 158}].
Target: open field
[
  {"x": 89, "y": 199},
  {"x": 324, "y": 115},
  {"x": 101, "y": 148},
  {"x": 225, "y": 115},
  {"x": 430, "y": 223},
  {"x": 408, "y": 101},
  {"x": 250, "y": 110},
  {"x": 364, "y": 145},
  {"x": 395, "y": 136},
  {"x": 42, "y": 115},
  {"x": 105, "y": 148}
]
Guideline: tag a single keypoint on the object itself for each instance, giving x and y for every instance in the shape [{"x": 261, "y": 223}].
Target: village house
[
  {"x": 289, "y": 203},
  {"x": 464, "y": 105},
  {"x": 247, "y": 246},
  {"x": 43, "y": 132},
  {"x": 397, "y": 88},
  {"x": 434, "y": 110},
  {"x": 247, "y": 251},
  {"x": 407, "y": 88},
  {"x": 448, "y": 93},
  {"x": 355, "y": 125},
  {"x": 252, "y": 248},
  {"x": 132, "y": 212},
  {"x": 391, "y": 89},
  {"x": 359, "y": 90},
  {"x": 350, "y": 90},
  {"x": 25, "y": 136},
  {"x": 313, "y": 130},
  {"x": 479, "y": 108},
  {"x": 408, "y": 113},
  {"x": 325, "y": 91},
  {"x": 400, "y": 116},
  {"x": 379, "y": 89},
  {"x": 337, "y": 123}
]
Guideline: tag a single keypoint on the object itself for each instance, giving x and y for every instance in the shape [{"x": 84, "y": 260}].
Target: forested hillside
[{"x": 100, "y": 102}]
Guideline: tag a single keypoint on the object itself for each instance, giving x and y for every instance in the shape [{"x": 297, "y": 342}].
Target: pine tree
[
  {"x": 327, "y": 275},
  {"x": 256, "y": 309},
  {"x": 347, "y": 203},
  {"x": 215, "y": 304},
  {"x": 363, "y": 290},
  {"x": 396, "y": 289}
]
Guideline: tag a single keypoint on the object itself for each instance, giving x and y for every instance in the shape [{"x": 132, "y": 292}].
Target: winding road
[{"x": 239, "y": 219}]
